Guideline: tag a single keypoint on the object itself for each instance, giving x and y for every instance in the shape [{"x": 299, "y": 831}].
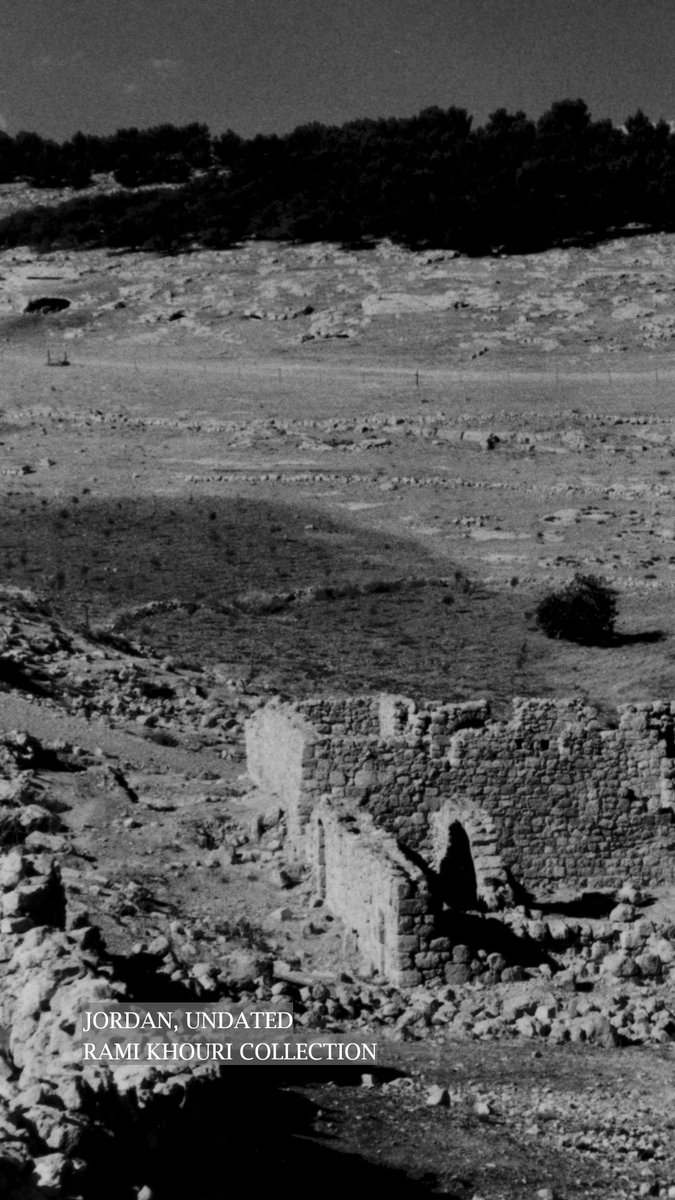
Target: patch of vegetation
[
  {"x": 161, "y": 154},
  {"x": 434, "y": 179},
  {"x": 583, "y": 611}
]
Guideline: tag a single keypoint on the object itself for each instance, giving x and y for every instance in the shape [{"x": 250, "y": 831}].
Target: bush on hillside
[{"x": 582, "y": 611}]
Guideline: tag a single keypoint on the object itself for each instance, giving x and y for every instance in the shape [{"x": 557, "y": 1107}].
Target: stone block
[
  {"x": 457, "y": 973},
  {"x": 461, "y": 954},
  {"x": 12, "y": 869},
  {"x": 407, "y": 942}
]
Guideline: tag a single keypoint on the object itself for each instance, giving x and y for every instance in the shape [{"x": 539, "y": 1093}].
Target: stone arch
[{"x": 465, "y": 858}]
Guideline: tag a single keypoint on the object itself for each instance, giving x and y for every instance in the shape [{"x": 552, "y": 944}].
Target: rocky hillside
[{"x": 136, "y": 864}]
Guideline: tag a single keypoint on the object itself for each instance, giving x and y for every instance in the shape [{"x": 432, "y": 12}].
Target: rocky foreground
[{"x": 112, "y": 752}]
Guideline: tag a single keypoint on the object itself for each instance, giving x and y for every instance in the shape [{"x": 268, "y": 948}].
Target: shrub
[{"x": 582, "y": 611}]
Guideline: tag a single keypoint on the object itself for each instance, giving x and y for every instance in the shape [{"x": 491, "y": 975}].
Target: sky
[{"x": 260, "y": 66}]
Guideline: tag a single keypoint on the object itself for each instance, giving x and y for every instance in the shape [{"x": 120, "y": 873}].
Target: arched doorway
[{"x": 457, "y": 886}]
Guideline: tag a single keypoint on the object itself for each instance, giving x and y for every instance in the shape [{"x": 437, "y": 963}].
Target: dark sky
[{"x": 267, "y": 65}]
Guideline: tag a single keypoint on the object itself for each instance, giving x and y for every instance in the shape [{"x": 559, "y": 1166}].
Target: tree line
[
  {"x": 513, "y": 184},
  {"x": 161, "y": 154}
]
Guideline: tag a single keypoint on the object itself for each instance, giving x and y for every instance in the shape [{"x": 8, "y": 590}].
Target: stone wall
[
  {"x": 402, "y": 785},
  {"x": 381, "y": 897},
  {"x": 278, "y": 756},
  {"x": 549, "y": 800},
  {"x": 572, "y": 803},
  {"x": 350, "y": 716},
  {"x": 402, "y": 719}
]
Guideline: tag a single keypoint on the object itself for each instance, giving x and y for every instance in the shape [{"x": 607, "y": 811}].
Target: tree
[
  {"x": 582, "y": 611},
  {"x": 8, "y": 158}
]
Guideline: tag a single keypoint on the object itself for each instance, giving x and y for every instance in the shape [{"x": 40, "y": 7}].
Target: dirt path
[{"x": 137, "y": 362}]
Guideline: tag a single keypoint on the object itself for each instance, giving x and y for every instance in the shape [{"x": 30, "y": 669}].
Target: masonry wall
[
  {"x": 279, "y": 755},
  {"x": 381, "y": 897},
  {"x": 571, "y": 803},
  {"x": 340, "y": 716},
  {"x": 549, "y": 798},
  {"x": 403, "y": 720}
]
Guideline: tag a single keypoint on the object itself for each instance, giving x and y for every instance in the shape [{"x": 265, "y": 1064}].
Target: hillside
[
  {"x": 265, "y": 420},
  {"x": 306, "y": 469}
]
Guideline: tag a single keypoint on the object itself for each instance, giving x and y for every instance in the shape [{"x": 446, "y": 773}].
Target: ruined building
[{"x": 411, "y": 813}]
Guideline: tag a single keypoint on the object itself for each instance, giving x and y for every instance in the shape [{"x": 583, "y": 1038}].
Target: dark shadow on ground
[
  {"x": 473, "y": 927},
  {"x": 481, "y": 932},
  {"x": 246, "y": 1134},
  {"x": 648, "y": 638},
  {"x": 13, "y": 676},
  {"x": 589, "y": 904}
]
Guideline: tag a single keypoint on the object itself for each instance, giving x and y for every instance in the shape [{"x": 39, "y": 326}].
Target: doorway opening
[{"x": 457, "y": 886}]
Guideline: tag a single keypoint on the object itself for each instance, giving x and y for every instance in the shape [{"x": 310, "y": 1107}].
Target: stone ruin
[{"x": 411, "y": 815}]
